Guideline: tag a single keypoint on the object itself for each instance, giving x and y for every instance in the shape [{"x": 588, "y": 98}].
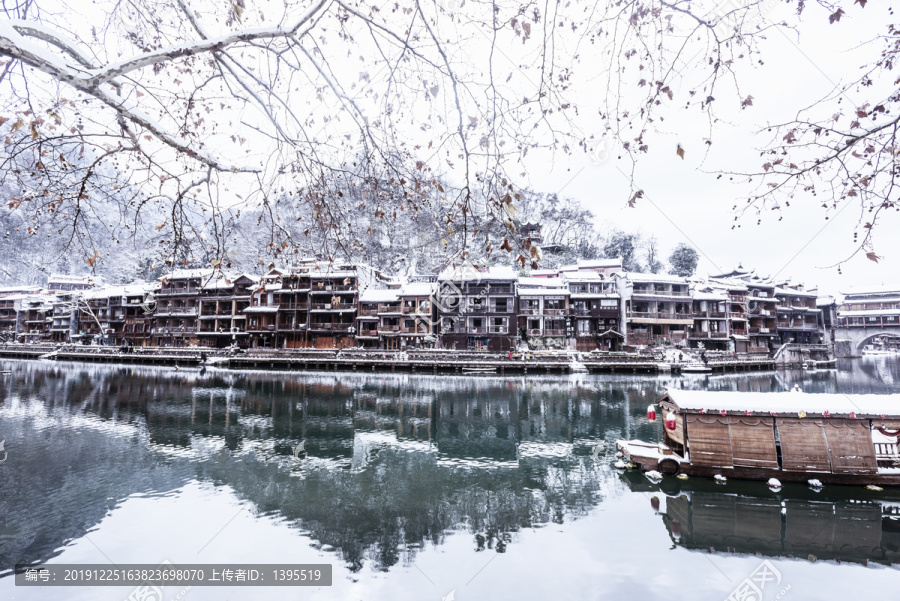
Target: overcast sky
[{"x": 685, "y": 204}]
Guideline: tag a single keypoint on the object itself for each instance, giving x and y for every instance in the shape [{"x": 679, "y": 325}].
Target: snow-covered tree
[
  {"x": 683, "y": 260},
  {"x": 204, "y": 108},
  {"x": 624, "y": 246}
]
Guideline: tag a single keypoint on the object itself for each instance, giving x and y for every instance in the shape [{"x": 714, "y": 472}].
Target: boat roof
[{"x": 785, "y": 403}]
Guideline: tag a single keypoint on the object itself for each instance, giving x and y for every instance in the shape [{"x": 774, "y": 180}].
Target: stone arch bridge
[{"x": 850, "y": 340}]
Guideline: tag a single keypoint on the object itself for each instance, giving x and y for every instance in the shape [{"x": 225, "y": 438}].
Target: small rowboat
[{"x": 479, "y": 370}]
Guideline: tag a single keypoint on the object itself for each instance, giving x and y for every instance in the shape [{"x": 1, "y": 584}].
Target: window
[
  {"x": 501, "y": 305},
  {"x": 609, "y": 302},
  {"x": 498, "y": 325}
]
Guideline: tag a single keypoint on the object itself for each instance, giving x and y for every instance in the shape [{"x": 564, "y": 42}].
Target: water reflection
[
  {"x": 840, "y": 530},
  {"x": 391, "y": 463}
]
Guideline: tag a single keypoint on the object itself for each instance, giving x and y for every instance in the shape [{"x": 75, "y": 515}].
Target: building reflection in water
[{"x": 391, "y": 462}]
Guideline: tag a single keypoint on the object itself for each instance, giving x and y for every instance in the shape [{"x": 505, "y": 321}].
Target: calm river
[{"x": 414, "y": 487}]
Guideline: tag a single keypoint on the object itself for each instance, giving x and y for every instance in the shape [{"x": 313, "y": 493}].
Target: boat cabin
[{"x": 791, "y": 436}]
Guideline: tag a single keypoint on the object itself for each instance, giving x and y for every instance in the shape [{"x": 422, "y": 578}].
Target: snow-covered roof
[
  {"x": 269, "y": 287},
  {"x": 786, "y": 403},
  {"x": 20, "y": 289},
  {"x": 863, "y": 301},
  {"x": 655, "y": 277},
  {"x": 615, "y": 262},
  {"x": 186, "y": 274},
  {"x": 590, "y": 295},
  {"x": 794, "y": 292},
  {"x": 467, "y": 273},
  {"x": 417, "y": 289},
  {"x": 532, "y": 282},
  {"x": 866, "y": 290},
  {"x": 218, "y": 281},
  {"x": 731, "y": 284},
  {"x": 135, "y": 289},
  {"x": 544, "y": 273},
  {"x": 58, "y": 278},
  {"x": 868, "y": 312},
  {"x": 261, "y": 309},
  {"x": 379, "y": 296},
  {"x": 584, "y": 276}
]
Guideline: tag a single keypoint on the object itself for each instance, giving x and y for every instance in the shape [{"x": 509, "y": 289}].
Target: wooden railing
[
  {"x": 658, "y": 315},
  {"x": 315, "y": 288}
]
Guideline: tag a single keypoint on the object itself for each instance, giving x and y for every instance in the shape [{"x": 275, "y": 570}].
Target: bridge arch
[{"x": 868, "y": 337}]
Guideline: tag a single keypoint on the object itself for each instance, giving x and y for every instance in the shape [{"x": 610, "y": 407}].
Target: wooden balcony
[
  {"x": 422, "y": 309},
  {"x": 658, "y": 315},
  {"x": 289, "y": 306},
  {"x": 422, "y": 330},
  {"x": 316, "y": 289},
  {"x": 177, "y": 290},
  {"x": 554, "y": 332},
  {"x": 337, "y": 327},
  {"x": 332, "y": 307},
  {"x": 867, "y": 322},
  {"x": 660, "y": 293},
  {"x": 606, "y": 312}
]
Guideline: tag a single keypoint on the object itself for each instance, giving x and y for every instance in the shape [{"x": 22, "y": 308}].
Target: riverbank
[{"x": 424, "y": 361}]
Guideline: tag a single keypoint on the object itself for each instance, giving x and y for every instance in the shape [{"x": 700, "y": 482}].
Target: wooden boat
[
  {"x": 479, "y": 370},
  {"x": 871, "y": 351},
  {"x": 789, "y": 436}
]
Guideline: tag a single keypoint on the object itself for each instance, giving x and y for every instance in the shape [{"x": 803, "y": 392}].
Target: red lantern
[
  {"x": 670, "y": 422},
  {"x": 722, "y": 413},
  {"x": 748, "y": 412},
  {"x": 852, "y": 415},
  {"x": 651, "y": 413}
]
